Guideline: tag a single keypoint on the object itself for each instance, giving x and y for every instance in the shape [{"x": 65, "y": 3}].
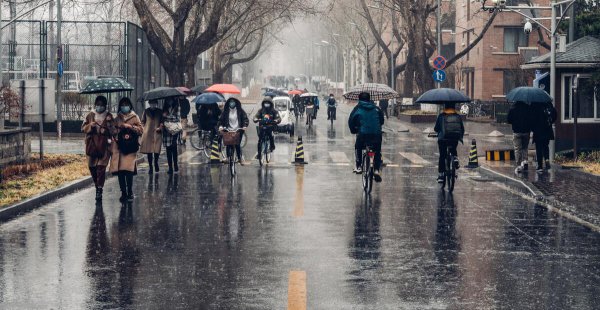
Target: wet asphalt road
[{"x": 288, "y": 237}]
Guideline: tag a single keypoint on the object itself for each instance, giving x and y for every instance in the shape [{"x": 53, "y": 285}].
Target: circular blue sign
[{"x": 439, "y": 76}]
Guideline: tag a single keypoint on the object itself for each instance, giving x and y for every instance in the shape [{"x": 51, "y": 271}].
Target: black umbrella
[
  {"x": 528, "y": 95},
  {"x": 104, "y": 85},
  {"x": 198, "y": 89},
  {"x": 442, "y": 96},
  {"x": 161, "y": 93}
]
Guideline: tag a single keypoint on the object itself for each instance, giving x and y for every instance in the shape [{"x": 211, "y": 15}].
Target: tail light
[{"x": 371, "y": 154}]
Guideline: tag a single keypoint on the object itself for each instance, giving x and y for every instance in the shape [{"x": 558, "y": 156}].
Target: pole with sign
[{"x": 439, "y": 63}]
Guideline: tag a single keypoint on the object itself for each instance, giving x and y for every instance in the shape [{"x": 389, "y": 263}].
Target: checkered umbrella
[
  {"x": 106, "y": 85},
  {"x": 377, "y": 91}
]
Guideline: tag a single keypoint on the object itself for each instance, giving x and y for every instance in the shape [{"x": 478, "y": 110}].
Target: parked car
[{"x": 284, "y": 105}]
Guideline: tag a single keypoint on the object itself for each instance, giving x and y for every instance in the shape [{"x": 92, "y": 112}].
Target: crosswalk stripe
[
  {"x": 339, "y": 157},
  {"x": 414, "y": 158}
]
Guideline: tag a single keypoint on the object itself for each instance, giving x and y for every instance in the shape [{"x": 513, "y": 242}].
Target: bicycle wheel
[
  {"x": 196, "y": 139},
  {"x": 365, "y": 175},
  {"x": 244, "y": 140},
  {"x": 266, "y": 151},
  {"x": 231, "y": 156},
  {"x": 207, "y": 145},
  {"x": 451, "y": 175},
  {"x": 259, "y": 155}
]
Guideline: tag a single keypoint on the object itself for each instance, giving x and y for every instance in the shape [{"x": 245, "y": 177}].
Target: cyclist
[
  {"x": 331, "y": 107},
  {"x": 366, "y": 121},
  {"x": 233, "y": 118},
  {"x": 309, "y": 103},
  {"x": 450, "y": 129},
  {"x": 268, "y": 117},
  {"x": 208, "y": 117}
]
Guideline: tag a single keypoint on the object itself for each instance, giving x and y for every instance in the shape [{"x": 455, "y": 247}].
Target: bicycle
[
  {"x": 368, "y": 168},
  {"x": 331, "y": 111},
  {"x": 202, "y": 140},
  {"x": 450, "y": 175},
  {"x": 230, "y": 139},
  {"x": 473, "y": 109},
  {"x": 310, "y": 115},
  {"x": 264, "y": 141}
]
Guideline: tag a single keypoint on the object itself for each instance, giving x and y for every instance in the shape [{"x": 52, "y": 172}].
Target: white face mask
[{"x": 267, "y": 105}]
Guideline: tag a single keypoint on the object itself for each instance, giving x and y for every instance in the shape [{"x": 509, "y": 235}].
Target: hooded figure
[
  {"x": 234, "y": 118},
  {"x": 366, "y": 121},
  {"x": 267, "y": 117}
]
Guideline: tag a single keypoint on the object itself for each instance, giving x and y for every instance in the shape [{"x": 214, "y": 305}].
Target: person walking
[
  {"x": 151, "y": 139},
  {"x": 233, "y": 118},
  {"x": 519, "y": 118},
  {"x": 384, "y": 105},
  {"x": 172, "y": 129},
  {"x": 128, "y": 129},
  {"x": 97, "y": 127},
  {"x": 544, "y": 115},
  {"x": 184, "y": 109}
]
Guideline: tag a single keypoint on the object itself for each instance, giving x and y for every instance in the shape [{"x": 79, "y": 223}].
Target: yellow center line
[
  {"x": 297, "y": 290},
  {"x": 299, "y": 201}
]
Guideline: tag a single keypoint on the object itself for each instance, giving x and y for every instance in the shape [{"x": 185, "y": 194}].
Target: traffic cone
[
  {"x": 473, "y": 161},
  {"x": 215, "y": 154},
  {"x": 299, "y": 157}
]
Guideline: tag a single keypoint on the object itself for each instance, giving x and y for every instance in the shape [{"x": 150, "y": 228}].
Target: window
[
  {"x": 510, "y": 81},
  {"x": 589, "y": 105},
  {"x": 513, "y": 39}
]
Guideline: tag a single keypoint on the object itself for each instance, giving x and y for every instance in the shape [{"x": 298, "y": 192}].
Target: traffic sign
[
  {"x": 439, "y": 62},
  {"x": 60, "y": 68},
  {"x": 439, "y": 76}
]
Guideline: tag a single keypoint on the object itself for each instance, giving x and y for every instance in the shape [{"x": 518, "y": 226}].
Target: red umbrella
[
  {"x": 185, "y": 90},
  {"x": 224, "y": 89},
  {"x": 295, "y": 92}
]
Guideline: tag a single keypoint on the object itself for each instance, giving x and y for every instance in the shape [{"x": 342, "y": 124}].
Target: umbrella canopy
[
  {"x": 208, "y": 98},
  {"x": 224, "y": 89},
  {"x": 528, "y": 95},
  {"x": 198, "y": 89},
  {"x": 184, "y": 90},
  {"x": 442, "y": 96},
  {"x": 161, "y": 93},
  {"x": 377, "y": 91},
  {"x": 106, "y": 85},
  {"x": 308, "y": 95},
  {"x": 295, "y": 92},
  {"x": 270, "y": 94}
]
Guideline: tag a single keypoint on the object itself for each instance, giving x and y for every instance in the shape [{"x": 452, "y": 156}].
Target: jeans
[
  {"x": 374, "y": 141},
  {"x": 331, "y": 111},
  {"x": 542, "y": 152},
  {"x": 521, "y": 144},
  {"x": 172, "y": 157},
  {"x": 442, "y": 146},
  {"x": 98, "y": 175}
]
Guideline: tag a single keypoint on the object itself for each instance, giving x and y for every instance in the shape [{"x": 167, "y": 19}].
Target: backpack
[
  {"x": 96, "y": 146},
  {"x": 452, "y": 127},
  {"x": 128, "y": 141}
]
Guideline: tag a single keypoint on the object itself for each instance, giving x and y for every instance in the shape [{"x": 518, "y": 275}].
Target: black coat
[
  {"x": 184, "y": 106},
  {"x": 243, "y": 120},
  {"x": 520, "y": 117},
  {"x": 543, "y": 116},
  {"x": 208, "y": 115}
]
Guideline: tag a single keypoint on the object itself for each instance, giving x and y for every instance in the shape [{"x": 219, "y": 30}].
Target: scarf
[{"x": 100, "y": 117}]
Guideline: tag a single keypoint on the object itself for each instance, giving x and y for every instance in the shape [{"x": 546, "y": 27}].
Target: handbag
[
  {"x": 96, "y": 146},
  {"x": 173, "y": 128}
]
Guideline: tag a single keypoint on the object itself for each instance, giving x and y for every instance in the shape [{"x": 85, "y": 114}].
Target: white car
[{"x": 284, "y": 105}]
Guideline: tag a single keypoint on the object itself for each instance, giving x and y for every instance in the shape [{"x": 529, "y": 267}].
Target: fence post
[
  {"x": 42, "y": 113},
  {"x": 22, "y": 113}
]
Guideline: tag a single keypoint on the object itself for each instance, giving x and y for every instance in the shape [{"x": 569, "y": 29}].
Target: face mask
[
  {"x": 267, "y": 105},
  {"x": 100, "y": 109},
  {"x": 125, "y": 109},
  {"x": 232, "y": 105}
]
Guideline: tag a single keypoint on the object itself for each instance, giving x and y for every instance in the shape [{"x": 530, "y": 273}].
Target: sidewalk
[
  {"x": 570, "y": 191},
  {"x": 67, "y": 145}
]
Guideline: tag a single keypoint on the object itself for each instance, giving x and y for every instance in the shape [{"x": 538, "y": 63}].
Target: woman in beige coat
[
  {"x": 99, "y": 122},
  {"x": 152, "y": 138},
  {"x": 124, "y": 165}
]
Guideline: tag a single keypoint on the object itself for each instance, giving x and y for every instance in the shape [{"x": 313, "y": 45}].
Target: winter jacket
[
  {"x": 383, "y": 104},
  {"x": 270, "y": 112},
  {"x": 90, "y": 130},
  {"x": 519, "y": 116},
  {"x": 184, "y": 106},
  {"x": 151, "y": 139},
  {"x": 241, "y": 114},
  {"x": 122, "y": 162},
  {"x": 366, "y": 119},
  {"x": 331, "y": 103},
  {"x": 439, "y": 125},
  {"x": 208, "y": 116},
  {"x": 543, "y": 116}
]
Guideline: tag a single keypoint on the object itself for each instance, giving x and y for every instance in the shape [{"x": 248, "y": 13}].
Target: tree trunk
[{"x": 176, "y": 75}]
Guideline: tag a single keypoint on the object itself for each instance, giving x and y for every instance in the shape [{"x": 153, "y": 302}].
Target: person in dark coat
[
  {"x": 519, "y": 116},
  {"x": 184, "y": 110},
  {"x": 383, "y": 105},
  {"x": 543, "y": 116},
  {"x": 208, "y": 116},
  {"x": 234, "y": 118}
]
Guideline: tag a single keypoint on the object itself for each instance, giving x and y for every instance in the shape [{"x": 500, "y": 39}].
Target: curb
[
  {"x": 30, "y": 204},
  {"x": 531, "y": 191}
]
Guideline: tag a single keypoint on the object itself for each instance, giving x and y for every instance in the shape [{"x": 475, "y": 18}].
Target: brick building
[{"x": 492, "y": 68}]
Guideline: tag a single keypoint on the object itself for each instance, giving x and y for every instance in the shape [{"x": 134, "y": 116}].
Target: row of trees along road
[{"x": 180, "y": 30}]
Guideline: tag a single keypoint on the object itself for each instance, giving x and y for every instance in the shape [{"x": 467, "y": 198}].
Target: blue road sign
[
  {"x": 439, "y": 76},
  {"x": 60, "y": 68}
]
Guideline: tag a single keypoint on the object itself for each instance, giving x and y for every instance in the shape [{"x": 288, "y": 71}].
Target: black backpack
[
  {"x": 452, "y": 127},
  {"x": 128, "y": 141}
]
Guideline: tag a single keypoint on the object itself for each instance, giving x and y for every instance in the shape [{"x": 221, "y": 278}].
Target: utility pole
[
  {"x": 1, "y": 60},
  {"x": 553, "y": 73},
  {"x": 59, "y": 55},
  {"x": 438, "y": 14}
]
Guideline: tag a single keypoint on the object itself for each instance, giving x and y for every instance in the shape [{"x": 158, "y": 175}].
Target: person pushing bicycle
[
  {"x": 450, "y": 129},
  {"x": 366, "y": 122},
  {"x": 267, "y": 117}
]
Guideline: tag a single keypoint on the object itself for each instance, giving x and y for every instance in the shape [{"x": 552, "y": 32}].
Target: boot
[
  {"x": 130, "y": 196},
  {"x": 123, "y": 197},
  {"x": 156, "y": 166},
  {"x": 98, "y": 194}
]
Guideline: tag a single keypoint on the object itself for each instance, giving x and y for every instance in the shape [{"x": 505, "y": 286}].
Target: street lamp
[{"x": 500, "y": 5}]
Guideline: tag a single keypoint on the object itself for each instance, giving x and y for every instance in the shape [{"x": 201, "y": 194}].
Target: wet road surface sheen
[{"x": 300, "y": 237}]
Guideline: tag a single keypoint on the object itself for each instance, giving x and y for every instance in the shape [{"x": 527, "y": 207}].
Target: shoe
[
  {"x": 123, "y": 197},
  {"x": 440, "y": 178},
  {"x": 156, "y": 167},
  {"x": 377, "y": 176},
  {"x": 456, "y": 164},
  {"x": 241, "y": 161},
  {"x": 98, "y": 194},
  {"x": 130, "y": 197},
  {"x": 357, "y": 170},
  {"x": 170, "y": 171},
  {"x": 176, "y": 169},
  {"x": 525, "y": 165},
  {"x": 547, "y": 165},
  {"x": 150, "y": 171},
  {"x": 518, "y": 170},
  {"x": 539, "y": 169}
]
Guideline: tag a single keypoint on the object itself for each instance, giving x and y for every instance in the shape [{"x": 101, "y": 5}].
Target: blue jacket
[{"x": 366, "y": 119}]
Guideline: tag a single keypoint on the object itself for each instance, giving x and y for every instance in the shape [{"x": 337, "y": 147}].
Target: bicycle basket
[{"x": 231, "y": 138}]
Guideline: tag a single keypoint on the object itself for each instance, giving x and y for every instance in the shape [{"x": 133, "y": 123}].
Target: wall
[{"x": 15, "y": 145}]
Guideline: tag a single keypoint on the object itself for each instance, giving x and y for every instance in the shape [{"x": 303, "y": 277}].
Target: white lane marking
[
  {"x": 414, "y": 158},
  {"x": 339, "y": 157}
]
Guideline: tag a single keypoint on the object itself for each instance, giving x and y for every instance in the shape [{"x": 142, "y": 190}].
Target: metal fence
[{"x": 89, "y": 49}]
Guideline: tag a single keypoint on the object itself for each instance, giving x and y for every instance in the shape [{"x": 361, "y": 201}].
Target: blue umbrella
[
  {"x": 208, "y": 98},
  {"x": 442, "y": 96},
  {"x": 528, "y": 95}
]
